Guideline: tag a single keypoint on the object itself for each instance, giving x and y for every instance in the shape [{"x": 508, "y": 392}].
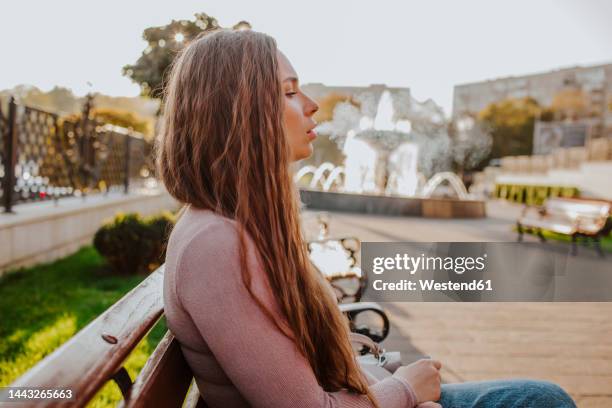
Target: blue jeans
[{"x": 505, "y": 394}]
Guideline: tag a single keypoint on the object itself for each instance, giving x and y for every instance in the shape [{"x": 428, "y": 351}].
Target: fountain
[
  {"x": 403, "y": 179},
  {"x": 380, "y": 173}
]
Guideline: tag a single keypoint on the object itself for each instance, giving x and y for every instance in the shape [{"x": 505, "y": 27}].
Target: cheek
[
  {"x": 296, "y": 134},
  {"x": 292, "y": 118},
  {"x": 292, "y": 121}
]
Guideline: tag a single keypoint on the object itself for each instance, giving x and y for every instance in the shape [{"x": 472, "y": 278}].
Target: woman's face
[{"x": 297, "y": 116}]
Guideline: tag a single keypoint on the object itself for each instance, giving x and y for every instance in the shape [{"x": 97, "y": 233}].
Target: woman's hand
[{"x": 424, "y": 377}]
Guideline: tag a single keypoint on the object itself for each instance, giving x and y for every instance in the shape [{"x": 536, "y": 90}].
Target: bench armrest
[{"x": 352, "y": 310}]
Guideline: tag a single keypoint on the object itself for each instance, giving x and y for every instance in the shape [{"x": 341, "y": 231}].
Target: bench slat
[
  {"x": 164, "y": 380},
  {"x": 193, "y": 399},
  {"x": 575, "y": 208},
  {"x": 86, "y": 361}
]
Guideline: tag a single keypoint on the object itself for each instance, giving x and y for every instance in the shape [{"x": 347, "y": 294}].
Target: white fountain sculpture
[
  {"x": 302, "y": 172},
  {"x": 325, "y": 176},
  {"x": 320, "y": 173},
  {"x": 359, "y": 166},
  {"x": 384, "y": 113},
  {"x": 394, "y": 168},
  {"x": 383, "y": 157},
  {"x": 403, "y": 179},
  {"x": 453, "y": 180},
  {"x": 335, "y": 177}
]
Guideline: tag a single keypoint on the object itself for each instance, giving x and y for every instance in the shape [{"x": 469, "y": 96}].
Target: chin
[
  {"x": 307, "y": 152},
  {"x": 302, "y": 154}
]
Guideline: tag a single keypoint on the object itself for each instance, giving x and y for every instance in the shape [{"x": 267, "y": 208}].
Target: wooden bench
[
  {"x": 336, "y": 259},
  {"x": 97, "y": 353},
  {"x": 587, "y": 219}
]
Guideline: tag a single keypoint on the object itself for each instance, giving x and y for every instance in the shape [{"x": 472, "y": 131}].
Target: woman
[{"x": 257, "y": 325}]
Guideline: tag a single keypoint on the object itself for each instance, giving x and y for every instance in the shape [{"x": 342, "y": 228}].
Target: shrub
[{"x": 132, "y": 244}]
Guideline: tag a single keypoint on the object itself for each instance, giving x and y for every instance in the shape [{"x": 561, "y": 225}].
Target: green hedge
[
  {"x": 132, "y": 244},
  {"x": 533, "y": 194}
]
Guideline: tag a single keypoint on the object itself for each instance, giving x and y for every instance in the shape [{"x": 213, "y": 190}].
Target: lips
[{"x": 312, "y": 134}]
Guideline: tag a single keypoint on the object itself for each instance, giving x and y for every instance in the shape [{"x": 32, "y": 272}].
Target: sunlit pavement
[{"x": 567, "y": 343}]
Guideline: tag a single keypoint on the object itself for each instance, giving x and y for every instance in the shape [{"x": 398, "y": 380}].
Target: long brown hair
[{"x": 223, "y": 147}]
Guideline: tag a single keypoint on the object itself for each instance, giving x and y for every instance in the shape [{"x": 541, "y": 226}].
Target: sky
[{"x": 428, "y": 46}]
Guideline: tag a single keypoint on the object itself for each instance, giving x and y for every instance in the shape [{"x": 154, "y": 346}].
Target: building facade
[{"x": 592, "y": 83}]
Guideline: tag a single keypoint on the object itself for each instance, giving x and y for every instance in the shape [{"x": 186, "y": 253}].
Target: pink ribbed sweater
[{"x": 238, "y": 356}]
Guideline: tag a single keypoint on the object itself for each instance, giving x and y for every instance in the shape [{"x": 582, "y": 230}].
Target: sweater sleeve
[{"x": 263, "y": 364}]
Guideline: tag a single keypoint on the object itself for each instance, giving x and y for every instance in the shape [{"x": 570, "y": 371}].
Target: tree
[
  {"x": 118, "y": 117},
  {"x": 164, "y": 43},
  {"x": 58, "y": 99},
  {"x": 510, "y": 123},
  {"x": 124, "y": 119},
  {"x": 337, "y": 115},
  {"x": 62, "y": 99},
  {"x": 328, "y": 104},
  {"x": 570, "y": 104}
]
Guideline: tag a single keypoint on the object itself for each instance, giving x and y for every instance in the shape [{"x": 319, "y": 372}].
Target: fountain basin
[{"x": 393, "y": 205}]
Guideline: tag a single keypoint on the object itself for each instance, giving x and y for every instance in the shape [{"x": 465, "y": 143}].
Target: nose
[{"x": 311, "y": 106}]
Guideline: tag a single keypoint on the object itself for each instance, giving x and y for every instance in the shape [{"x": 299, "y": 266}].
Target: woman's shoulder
[
  {"x": 203, "y": 235},
  {"x": 203, "y": 255},
  {"x": 195, "y": 224},
  {"x": 204, "y": 266},
  {"x": 200, "y": 234}
]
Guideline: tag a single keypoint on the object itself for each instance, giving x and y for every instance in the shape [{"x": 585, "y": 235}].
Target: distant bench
[
  {"x": 96, "y": 354},
  {"x": 588, "y": 219},
  {"x": 336, "y": 259}
]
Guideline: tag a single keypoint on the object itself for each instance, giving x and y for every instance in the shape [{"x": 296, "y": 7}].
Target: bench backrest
[
  {"x": 572, "y": 208},
  {"x": 335, "y": 257},
  {"x": 96, "y": 354},
  {"x": 164, "y": 380}
]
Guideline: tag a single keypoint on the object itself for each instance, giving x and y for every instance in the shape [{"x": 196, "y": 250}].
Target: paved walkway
[{"x": 568, "y": 343}]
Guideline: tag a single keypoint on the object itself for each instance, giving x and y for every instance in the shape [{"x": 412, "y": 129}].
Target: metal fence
[{"x": 43, "y": 156}]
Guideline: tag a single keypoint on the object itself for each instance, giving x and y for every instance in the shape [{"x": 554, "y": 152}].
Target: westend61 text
[{"x": 430, "y": 284}]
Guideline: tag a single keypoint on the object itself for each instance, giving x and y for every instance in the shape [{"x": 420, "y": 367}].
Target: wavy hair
[{"x": 223, "y": 147}]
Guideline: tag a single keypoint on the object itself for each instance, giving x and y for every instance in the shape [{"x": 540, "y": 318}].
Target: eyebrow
[{"x": 291, "y": 79}]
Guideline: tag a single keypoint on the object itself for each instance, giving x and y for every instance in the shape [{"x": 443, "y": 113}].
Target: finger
[
  {"x": 436, "y": 364},
  {"x": 429, "y": 404}
]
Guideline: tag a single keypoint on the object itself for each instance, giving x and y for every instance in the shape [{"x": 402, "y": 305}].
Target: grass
[{"x": 43, "y": 306}]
